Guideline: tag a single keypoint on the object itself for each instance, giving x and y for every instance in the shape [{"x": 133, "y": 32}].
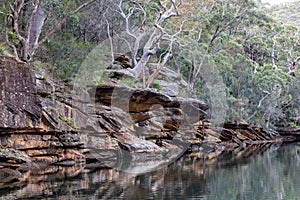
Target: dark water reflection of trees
[{"x": 257, "y": 172}]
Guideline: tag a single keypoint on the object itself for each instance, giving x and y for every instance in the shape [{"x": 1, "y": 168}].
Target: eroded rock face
[
  {"x": 46, "y": 122},
  {"x": 36, "y": 123},
  {"x": 145, "y": 105},
  {"x": 19, "y": 105}
]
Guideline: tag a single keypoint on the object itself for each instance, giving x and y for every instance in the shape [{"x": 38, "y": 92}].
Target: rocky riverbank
[{"x": 47, "y": 123}]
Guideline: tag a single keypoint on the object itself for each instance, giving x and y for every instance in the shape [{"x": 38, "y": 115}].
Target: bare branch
[
  {"x": 50, "y": 33},
  {"x": 169, "y": 13},
  {"x": 16, "y": 12},
  {"x": 82, "y": 6},
  {"x": 176, "y": 5},
  {"x": 153, "y": 41},
  {"x": 110, "y": 41},
  {"x": 125, "y": 40},
  {"x": 260, "y": 101},
  {"x": 126, "y": 17},
  {"x": 161, "y": 65},
  {"x": 20, "y": 6},
  {"x": 8, "y": 42},
  {"x": 141, "y": 33},
  {"x": 166, "y": 57},
  {"x": 221, "y": 29}
]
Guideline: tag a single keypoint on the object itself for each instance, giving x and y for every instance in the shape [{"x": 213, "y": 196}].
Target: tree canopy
[{"x": 254, "y": 47}]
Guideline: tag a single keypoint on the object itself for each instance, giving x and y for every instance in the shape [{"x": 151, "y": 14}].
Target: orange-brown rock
[{"x": 51, "y": 123}]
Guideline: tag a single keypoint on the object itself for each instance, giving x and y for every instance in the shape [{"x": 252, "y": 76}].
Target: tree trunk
[
  {"x": 36, "y": 29},
  {"x": 30, "y": 40}
]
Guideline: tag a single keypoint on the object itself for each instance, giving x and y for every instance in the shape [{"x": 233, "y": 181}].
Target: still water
[{"x": 260, "y": 172}]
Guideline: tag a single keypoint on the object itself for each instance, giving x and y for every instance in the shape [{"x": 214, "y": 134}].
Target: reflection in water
[{"x": 260, "y": 172}]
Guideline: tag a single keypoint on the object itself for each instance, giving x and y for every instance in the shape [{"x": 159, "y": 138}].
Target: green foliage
[
  {"x": 131, "y": 82},
  {"x": 73, "y": 21},
  {"x": 152, "y": 7},
  {"x": 66, "y": 54},
  {"x": 256, "y": 48},
  {"x": 13, "y": 36},
  {"x": 235, "y": 37},
  {"x": 69, "y": 121},
  {"x": 3, "y": 48},
  {"x": 102, "y": 79},
  {"x": 287, "y": 13},
  {"x": 230, "y": 40},
  {"x": 38, "y": 66},
  {"x": 156, "y": 85},
  {"x": 293, "y": 125},
  {"x": 266, "y": 78},
  {"x": 62, "y": 8}
]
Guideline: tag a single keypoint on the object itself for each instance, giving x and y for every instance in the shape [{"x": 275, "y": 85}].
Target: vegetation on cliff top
[{"x": 254, "y": 48}]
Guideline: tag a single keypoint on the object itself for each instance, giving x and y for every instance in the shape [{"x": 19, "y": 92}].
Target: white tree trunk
[{"x": 36, "y": 28}]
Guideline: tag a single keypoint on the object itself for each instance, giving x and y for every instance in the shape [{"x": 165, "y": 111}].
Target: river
[{"x": 261, "y": 172}]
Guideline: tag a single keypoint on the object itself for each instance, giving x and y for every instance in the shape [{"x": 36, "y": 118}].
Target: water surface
[{"x": 261, "y": 172}]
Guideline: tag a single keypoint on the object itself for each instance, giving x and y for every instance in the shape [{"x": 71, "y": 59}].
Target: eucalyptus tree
[
  {"x": 225, "y": 17},
  {"x": 157, "y": 32}
]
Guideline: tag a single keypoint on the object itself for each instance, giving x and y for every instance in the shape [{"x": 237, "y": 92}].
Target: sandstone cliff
[{"x": 44, "y": 122}]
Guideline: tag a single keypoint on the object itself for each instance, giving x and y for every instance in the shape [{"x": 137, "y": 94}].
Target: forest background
[{"x": 254, "y": 46}]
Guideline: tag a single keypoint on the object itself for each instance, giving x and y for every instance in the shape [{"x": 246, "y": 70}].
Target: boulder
[{"x": 169, "y": 88}]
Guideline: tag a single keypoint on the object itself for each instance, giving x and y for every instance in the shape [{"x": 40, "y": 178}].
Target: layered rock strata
[{"x": 44, "y": 122}]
